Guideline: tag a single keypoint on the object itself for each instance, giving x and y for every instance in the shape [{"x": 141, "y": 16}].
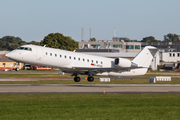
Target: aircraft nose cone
[{"x": 7, "y": 55}]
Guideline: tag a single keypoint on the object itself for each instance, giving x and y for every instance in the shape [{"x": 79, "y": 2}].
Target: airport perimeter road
[{"x": 88, "y": 89}]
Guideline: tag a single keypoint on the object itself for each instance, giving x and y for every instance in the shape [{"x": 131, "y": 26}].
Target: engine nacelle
[{"x": 121, "y": 62}]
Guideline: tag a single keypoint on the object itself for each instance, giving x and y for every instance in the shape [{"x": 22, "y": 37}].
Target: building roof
[
  {"x": 4, "y": 52},
  {"x": 5, "y": 60}
]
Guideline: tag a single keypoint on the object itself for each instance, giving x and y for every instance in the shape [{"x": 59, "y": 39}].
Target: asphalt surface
[
  {"x": 68, "y": 78},
  {"x": 84, "y": 88},
  {"x": 88, "y": 88}
]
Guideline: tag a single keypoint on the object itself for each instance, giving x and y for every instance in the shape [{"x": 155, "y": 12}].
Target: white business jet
[{"x": 83, "y": 64}]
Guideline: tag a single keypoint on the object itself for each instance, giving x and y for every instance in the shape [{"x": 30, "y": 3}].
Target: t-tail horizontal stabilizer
[{"x": 144, "y": 58}]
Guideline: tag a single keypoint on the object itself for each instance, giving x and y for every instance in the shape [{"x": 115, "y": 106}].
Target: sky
[{"x": 32, "y": 20}]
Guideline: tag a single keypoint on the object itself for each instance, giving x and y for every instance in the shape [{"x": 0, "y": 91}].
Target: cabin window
[
  {"x": 50, "y": 54},
  {"x": 169, "y": 54},
  {"x": 87, "y": 60},
  {"x": 79, "y": 59},
  {"x": 83, "y": 59},
  {"x": 74, "y": 58},
  {"x": 101, "y": 62},
  {"x": 69, "y": 57},
  {"x": 46, "y": 53},
  {"x": 96, "y": 61},
  {"x": 173, "y": 55},
  {"x": 178, "y": 54},
  {"x": 65, "y": 56},
  {"x": 60, "y": 56},
  {"x": 92, "y": 61},
  {"x": 55, "y": 55}
]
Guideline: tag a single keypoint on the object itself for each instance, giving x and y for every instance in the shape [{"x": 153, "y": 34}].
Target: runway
[{"x": 88, "y": 88}]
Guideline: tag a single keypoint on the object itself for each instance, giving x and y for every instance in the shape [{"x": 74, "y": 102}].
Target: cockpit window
[
  {"x": 29, "y": 49},
  {"x": 24, "y": 48},
  {"x": 21, "y": 48}
]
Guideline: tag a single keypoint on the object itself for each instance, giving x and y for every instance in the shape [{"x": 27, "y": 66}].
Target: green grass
[{"x": 90, "y": 106}]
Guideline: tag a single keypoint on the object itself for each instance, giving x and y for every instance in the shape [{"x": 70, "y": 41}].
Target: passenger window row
[{"x": 75, "y": 58}]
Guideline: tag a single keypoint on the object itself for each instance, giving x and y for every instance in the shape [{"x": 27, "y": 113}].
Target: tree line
[
  {"x": 10, "y": 43},
  {"x": 167, "y": 38},
  {"x": 54, "y": 40},
  {"x": 58, "y": 40}
]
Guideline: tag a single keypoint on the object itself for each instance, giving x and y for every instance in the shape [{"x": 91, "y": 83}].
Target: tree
[
  {"x": 22, "y": 43},
  {"x": 10, "y": 42},
  {"x": 34, "y": 43},
  {"x": 7, "y": 46},
  {"x": 171, "y": 37},
  {"x": 92, "y": 40},
  {"x": 1, "y": 45},
  {"x": 11, "y": 39},
  {"x": 149, "y": 39},
  {"x": 58, "y": 40}
]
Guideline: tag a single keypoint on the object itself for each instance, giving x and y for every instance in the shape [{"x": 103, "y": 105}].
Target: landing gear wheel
[
  {"x": 77, "y": 79},
  {"x": 90, "y": 79},
  {"x": 17, "y": 69}
]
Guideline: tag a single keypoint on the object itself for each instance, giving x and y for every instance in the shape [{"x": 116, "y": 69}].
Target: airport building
[
  {"x": 117, "y": 47},
  {"x": 169, "y": 52},
  {"x": 7, "y": 64},
  {"x": 117, "y": 44}
]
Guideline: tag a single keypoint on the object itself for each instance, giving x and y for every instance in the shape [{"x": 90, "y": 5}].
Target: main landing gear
[
  {"x": 78, "y": 79},
  {"x": 90, "y": 79}
]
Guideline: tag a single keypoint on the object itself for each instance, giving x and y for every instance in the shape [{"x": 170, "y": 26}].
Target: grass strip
[{"x": 90, "y": 106}]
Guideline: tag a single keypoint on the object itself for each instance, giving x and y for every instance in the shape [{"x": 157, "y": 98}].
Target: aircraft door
[{"x": 39, "y": 54}]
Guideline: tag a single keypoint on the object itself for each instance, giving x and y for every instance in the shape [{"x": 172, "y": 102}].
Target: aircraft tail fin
[{"x": 144, "y": 58}]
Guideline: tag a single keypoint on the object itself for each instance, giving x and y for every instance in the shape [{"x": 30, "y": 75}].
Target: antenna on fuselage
[{"x": 75, "y": 50}]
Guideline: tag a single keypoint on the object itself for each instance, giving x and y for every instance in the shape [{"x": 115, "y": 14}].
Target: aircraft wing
[{"x": 104, "y": 69}]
